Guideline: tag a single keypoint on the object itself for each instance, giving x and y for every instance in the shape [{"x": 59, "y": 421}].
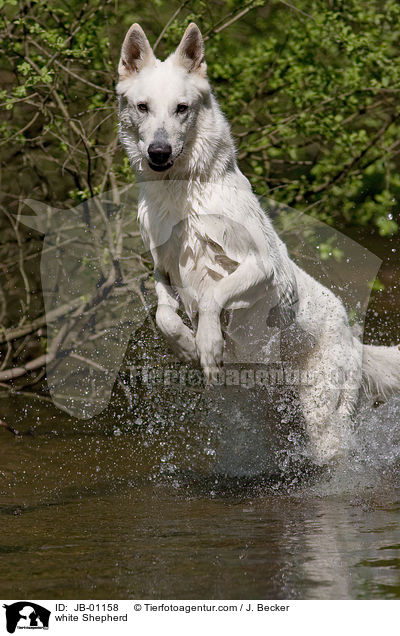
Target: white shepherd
[{"x": 216, "y": 252}]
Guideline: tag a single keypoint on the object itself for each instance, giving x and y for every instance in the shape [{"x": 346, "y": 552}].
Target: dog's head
[{"x": 160, "y": 101}]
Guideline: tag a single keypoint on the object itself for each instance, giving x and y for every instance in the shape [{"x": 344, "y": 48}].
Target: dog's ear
[
  {"x": 190, "y": 52},
  {"x": 136, "y": 52}
]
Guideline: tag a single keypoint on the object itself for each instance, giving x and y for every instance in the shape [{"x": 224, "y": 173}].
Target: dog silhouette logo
[
  {"x": 26, "y": 615},
  {"x": 99, "y": 287}
]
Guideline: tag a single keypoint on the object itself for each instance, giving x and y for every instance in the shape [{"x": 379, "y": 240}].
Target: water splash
[
  {"x": 373, "y": 460},
  {"x": 238, "y": 447}
]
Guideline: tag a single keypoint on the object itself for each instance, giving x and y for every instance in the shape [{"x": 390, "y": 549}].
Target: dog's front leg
[
  {"x": 178, "y": 335},
  {"x": 241, "y": 289}
]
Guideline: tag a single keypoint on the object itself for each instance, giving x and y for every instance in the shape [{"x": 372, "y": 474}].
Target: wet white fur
[{"x": 216, "y": 252}]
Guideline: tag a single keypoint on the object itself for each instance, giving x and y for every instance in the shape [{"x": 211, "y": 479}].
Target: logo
[
  {"x": 26, "y": 615},
  {"x": 98, "y": 290}
]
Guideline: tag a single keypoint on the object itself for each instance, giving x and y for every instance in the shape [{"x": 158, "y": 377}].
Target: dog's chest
[
  {"x": 194, "y": 261},
  {"x": 188, "y": 240}
]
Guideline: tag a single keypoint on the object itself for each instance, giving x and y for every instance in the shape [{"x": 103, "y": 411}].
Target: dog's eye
[
  {"x": 142, "y": 106},
  {"x": 181, "y": 108}
]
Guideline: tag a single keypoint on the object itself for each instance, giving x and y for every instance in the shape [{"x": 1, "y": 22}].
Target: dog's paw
[
  {"x": 178, "y": 335},
  {"x": 210, "y": 348},
  {"x": 185, "y": 346}
]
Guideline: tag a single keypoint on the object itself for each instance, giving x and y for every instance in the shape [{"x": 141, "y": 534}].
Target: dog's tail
[{"x": 381, "y": 371}]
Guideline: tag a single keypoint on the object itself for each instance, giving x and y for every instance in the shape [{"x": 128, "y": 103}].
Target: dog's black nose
[{"x": 159, "y": 152}]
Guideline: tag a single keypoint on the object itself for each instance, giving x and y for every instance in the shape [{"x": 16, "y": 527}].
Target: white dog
[{"x": 216, "y": 252}]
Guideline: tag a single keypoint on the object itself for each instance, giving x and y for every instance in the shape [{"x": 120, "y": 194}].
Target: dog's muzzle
[{"x": 159, "y": 154}]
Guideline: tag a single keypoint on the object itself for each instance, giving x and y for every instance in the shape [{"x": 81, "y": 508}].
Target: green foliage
[
  {"x": 311, "y": 92},
  {"x": 376, "y": 285}
]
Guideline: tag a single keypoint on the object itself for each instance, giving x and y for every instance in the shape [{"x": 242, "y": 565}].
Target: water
[{"x": 120, "y": 508}]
